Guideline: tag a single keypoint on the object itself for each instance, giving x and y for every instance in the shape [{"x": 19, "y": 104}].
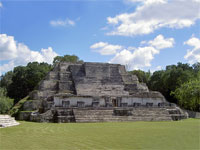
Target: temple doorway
[{"x": 114, "y": 102}]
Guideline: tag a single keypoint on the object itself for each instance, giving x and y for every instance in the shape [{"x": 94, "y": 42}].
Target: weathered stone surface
[
  {"x": 192, "y": 114},
  {"x": 95, "y": 92},
  {"x": 7, "y": 121},
  {"x": 32, "y": 105},
  {"x": 24, "y": 115}
]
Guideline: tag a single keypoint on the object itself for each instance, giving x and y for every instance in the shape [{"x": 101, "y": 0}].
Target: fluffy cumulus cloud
[
  {"x": 154, "y": 14},
  {"x": 193, "y": 55},
  {"x": 159, "y": 42},
  {"x": 8, "y": 47},
  {"x": 140, "y": 57},
  {"x": 137, "y": 58},
  {"x": 59, "y": 22},
  {"x": 15, "y": 54},
  {"x": 105, "y": 48}
]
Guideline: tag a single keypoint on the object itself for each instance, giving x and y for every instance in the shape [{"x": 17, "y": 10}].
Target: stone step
[
  {"x": 125, "y": 118},
  {"x": 100, "y": 118},
  {"x": 94, "y": 113},
  {"x": 9, "y": 124},
  {"x": 137, "y": 114},
  {"x": 109, "y": 115},
  {"x": 119, "y": 117},
  {"x": 4, "y": 120},
  {"x": 121, "y": 120},
  {"x": 103, "y": 113},
  {"x": 7, "y": 121},
  {"x": 122, "y": 117}
]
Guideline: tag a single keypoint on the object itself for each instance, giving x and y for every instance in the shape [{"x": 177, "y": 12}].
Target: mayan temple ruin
[{"x": 96, "y": 92}]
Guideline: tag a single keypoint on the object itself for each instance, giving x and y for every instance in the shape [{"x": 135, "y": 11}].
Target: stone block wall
[{"x": 93, "y": 86}]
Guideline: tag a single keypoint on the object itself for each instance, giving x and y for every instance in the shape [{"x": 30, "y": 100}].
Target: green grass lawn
[{"x": 173, "y": 135}]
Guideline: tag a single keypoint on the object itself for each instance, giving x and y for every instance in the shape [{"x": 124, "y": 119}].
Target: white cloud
[
  {"x": 159, "y": 42},
  {"x": 6, "y": 67},
  {"x": 156, "y": 69},
  {"x": 8, "y": 47},
  {"x": 105, "y": 48},
  {"x": 154, "y": 14},
  {"x": 132, "y": 57},
  {"x": 19, "y": 54},
  {"x": 1, "y": 5},
  {"x": 59, "y": 22},
  {"x": 147, "y": 2},
  {"x": 193, "y": 55},
  {"x": 137, "y": 58}
]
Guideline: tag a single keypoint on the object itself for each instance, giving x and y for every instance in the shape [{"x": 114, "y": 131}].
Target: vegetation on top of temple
[
  {"x": 142, "y": 75},
  {"x": 18, "y": 107},
  {"x": 67, "y": 58}
]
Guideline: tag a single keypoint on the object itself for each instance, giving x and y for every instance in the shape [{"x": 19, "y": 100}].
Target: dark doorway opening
[{"x": 114, "y": 102}]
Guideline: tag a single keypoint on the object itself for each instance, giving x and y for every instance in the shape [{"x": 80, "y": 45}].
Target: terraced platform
[
  {"x": 129, "y": 114},
  {"x": 7, "y": 121},
  {"x": 96, "y": 92}
]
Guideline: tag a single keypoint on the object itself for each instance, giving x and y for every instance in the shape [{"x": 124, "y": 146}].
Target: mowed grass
[{"x": 172, "y": 135}]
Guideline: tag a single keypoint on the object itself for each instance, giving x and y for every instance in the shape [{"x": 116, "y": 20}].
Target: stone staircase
[
  {"x": 64, "y": 115},
  {"x": 119, "y": 115},
  {"x": 177, "y": 114},
  {"x": 7, "y": 121},
  {"x": 109, "y": 114}
]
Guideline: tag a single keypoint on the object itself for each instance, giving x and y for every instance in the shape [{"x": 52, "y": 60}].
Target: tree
[
  {"x": 26, "y": 78},
  {"x": 188, "y": 94},
  {"x": 196, "y": 68},
  {"x": 35, "y": 73},
  {"x": 156, "y": 82},
  {"x": 168, "y": 80},
  {"x": 6, "y": 80},
  {"x": 18, "y": 88},
  {"x": 142, "y": 76},
  {"x": 66, "y": 58},
  {"x": 5, "y": 102}
]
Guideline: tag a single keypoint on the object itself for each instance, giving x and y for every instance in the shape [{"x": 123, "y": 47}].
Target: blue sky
[{"x": 141, "y": 34}]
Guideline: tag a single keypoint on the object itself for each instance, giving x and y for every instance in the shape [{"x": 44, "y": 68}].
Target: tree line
[{"x": 178, "y": 83}]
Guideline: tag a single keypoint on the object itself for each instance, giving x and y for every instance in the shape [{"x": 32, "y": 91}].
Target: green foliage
[
  {"x": 67, "y": 58},
  {"x": 18, "y": 107},
  {"x": 25, "y": 79},
  {"x": 156, "y": 81},
  {"x": 5, "y": 102},
  {"x": 142, "y": 76},
  {"x": 188, "y": 95},
  {"x": 168, "y": 80},
  {"x": 196, "y": 67},
  {"x": 6, "y": 80}
]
